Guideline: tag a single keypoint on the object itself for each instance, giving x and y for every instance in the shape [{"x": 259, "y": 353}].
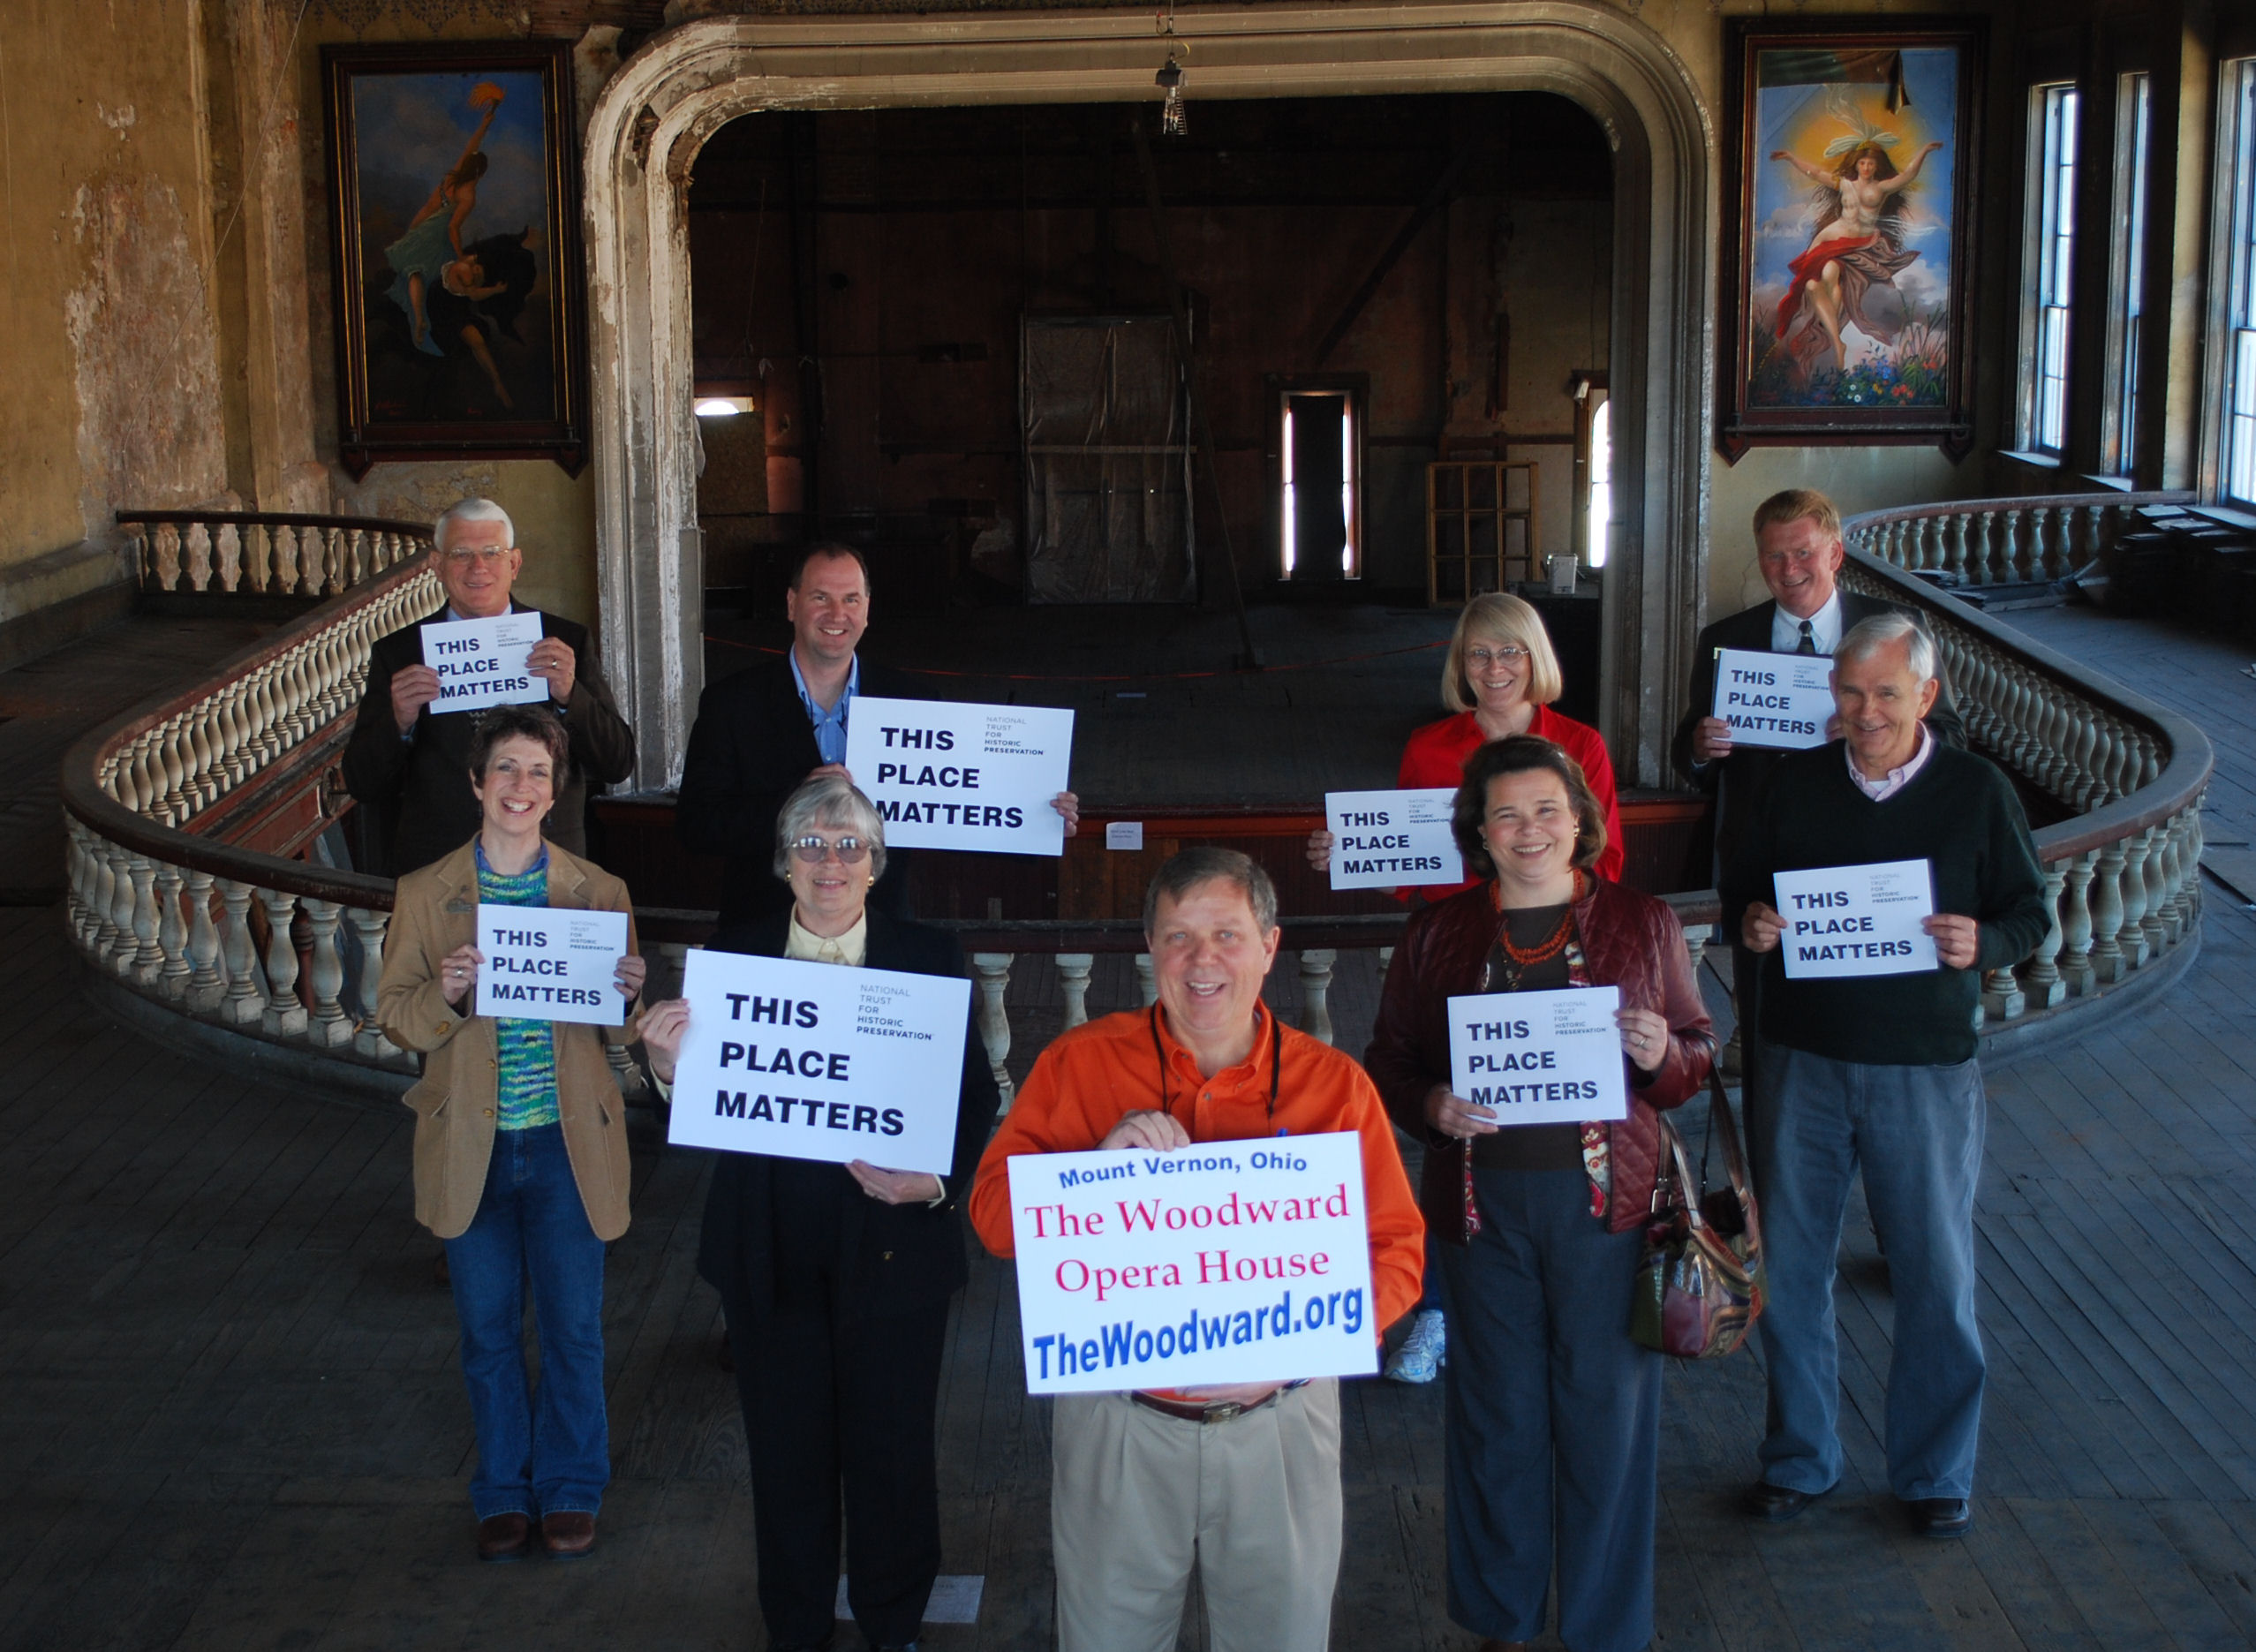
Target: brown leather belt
[{"x": 1223, "y": 1411}]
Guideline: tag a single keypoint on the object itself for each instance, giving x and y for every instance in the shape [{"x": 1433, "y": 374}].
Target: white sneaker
[{"x": 1423, "y": 1352}]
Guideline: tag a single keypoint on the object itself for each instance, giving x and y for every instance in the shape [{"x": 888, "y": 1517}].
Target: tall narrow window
[
  {"x": 1318, "y": 518},
  {"x": 1602, "y": 481},
  {"x": 2120, "y": 436},
  {"x": 2236, "y": 474},
  {"x": 2053, "y": 189}
]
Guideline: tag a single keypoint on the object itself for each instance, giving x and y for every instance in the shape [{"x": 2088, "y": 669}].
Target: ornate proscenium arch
[{"x": 670, "y": 96}]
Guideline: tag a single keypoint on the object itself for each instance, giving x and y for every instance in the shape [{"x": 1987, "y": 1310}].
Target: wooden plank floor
[
  {"x": 230, "y": 1415},
  {"x": 48, "y": 703}
]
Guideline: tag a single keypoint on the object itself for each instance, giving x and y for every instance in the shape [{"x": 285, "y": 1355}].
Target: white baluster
[
  {"x": 1316, "y": 964},
  {"x": 368, "y": 928},
  {"x": 206, "y": 985},
  {"x": 2040, "y": 981},
  {"x": 200, "y": 556},
  {"x": 2076, "y": 925},
  {"x": 174, "y": 974},
  {"x": 122, "y": 948},
  {"x": 1073, "y": 977},
  {"x": 2137, "y": 949},
  {"x": 330, "y": 1025},
  {"x": 284, "y": 1016},
  {"x": 2109, "y": 964},
  {"x": 230, "y": 557},
  {"x": 991, "y": 971},
  {"x": 148, "y": 958},
  {"x": 1147, "y": 986}
]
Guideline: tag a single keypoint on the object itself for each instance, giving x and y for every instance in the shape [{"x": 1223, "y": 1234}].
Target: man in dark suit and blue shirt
[
  {"x": 762, "y": 732},
  {"x": 1879, "y": 1073},
  {"x": 1799, "y": 549},
  {"x": 413, "y": 768}
]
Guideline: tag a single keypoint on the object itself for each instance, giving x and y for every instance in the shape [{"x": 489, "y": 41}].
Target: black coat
[
  {"x": 749, "y": 749},
  {"x": 893, "y": 1257},
  {"x": 1737, "y": 780},
  {"x": 420, "y": 787}
]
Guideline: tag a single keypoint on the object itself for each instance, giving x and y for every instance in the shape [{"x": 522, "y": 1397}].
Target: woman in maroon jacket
[{"x": 1553, "y": 1412}]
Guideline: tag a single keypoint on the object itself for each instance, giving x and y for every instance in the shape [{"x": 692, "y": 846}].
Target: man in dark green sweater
[{"x": 1879, "y": 1072}]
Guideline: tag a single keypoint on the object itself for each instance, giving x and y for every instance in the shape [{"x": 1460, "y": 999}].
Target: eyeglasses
[
  {"x": 488, "y": 554},
  {"x": 1510, "y": 654},
  {"x": 851, "y": 851}
]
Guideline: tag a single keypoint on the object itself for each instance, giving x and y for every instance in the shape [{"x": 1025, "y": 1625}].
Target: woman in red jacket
[
  {"x": 1499, "y": 680},
  {"x": 1553, "y": 1443}
]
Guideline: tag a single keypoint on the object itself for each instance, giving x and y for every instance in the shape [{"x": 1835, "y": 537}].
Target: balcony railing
[
  {"x": 248, "y": 553},
  {"x": 2123, "y": 870},
  {"x": 193, "y": 905}
]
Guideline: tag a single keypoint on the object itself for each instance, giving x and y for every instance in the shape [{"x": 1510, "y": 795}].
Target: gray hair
[
  {"x": 1202, "y": 863},
  {"x": 1867, "y": 637},
  {"x": 833, "y": 801},
  {"x": 470, "y": 511}
]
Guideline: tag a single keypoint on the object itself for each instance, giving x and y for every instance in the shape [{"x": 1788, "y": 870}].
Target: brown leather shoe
[
  {"x": 503, "y": 1536},
  {"x": 567, "y": 1535}
]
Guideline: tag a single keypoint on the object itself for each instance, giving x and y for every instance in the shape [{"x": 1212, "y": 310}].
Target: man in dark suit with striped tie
[{"x": 1797, "y": 546}]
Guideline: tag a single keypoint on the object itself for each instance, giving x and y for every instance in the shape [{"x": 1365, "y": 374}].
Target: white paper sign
[
  {"x": 1226, "y": 1262},
  {"x": 817, "y": 1061},
  {"x": 1781, "y": 701},
  {"x": 1382, "y": 839},
  {"x": 966, "y": 777},
  {"x": 1124, "y": 835},
  {"x": 550, "y": 963},
  {"x": 481, "y": 662},
  {"x": 1856, "y": 920},
  {"x": 1540, "y": 1058}
]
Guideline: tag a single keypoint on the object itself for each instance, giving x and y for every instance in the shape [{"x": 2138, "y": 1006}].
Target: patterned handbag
[{"x": 1699, "y": 1285}]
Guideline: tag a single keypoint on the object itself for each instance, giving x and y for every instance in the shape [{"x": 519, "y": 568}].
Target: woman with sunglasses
[
  {"x": 1499, "y": 679},
  {"x": 836, "y": 1279}
]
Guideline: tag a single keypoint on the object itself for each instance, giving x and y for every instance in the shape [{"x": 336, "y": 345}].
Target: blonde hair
[
  {"x": 1508, "y": 619},
  {"x": 1797, "y": 504}
]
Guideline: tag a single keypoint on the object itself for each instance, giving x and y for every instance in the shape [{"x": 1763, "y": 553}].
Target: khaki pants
[{"x": 1137, "y": 1498}]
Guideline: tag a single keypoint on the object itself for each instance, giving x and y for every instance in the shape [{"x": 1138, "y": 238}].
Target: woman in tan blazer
[{"x": 520, "y": 1146}]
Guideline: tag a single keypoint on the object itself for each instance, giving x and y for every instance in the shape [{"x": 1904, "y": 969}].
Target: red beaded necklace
[{"x": 1551, "y": 945}]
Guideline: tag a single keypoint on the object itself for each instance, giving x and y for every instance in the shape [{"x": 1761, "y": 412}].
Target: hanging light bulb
[{"x": 1170, "y": 80}]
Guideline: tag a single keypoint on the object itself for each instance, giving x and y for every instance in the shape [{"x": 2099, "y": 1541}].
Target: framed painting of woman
[
  {"x": 454, "y": 214},
  {"x": 1851, "y": 169}
]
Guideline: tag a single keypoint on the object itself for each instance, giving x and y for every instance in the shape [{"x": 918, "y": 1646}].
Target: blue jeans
[
  {"x": 1916, "y": 1132},
  {"x": 1554, "y": 1440},
  {"x": 552, "y": 1455}
]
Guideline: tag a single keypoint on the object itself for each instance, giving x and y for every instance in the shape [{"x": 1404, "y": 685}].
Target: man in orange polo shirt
[{"x": 1242, "y": 1479}]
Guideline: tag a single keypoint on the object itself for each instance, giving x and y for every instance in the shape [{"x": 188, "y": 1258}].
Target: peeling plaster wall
[
  {"x": 110, "y": 373},
  {"x": 143, "y": 342}
]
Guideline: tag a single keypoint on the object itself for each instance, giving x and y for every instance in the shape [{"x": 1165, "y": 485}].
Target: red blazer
[
  {"x": 1437, "y": 753},
  {"x": 1629, "y": 940}
]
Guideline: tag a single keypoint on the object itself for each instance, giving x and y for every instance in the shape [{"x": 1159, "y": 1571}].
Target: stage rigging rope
[{"x": 1115, "y": 676}]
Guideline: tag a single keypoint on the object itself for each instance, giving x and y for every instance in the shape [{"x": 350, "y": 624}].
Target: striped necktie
[{"x": 1809, "y": 640}]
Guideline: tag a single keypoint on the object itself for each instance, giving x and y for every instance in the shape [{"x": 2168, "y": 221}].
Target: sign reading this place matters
[
  {"x": 550, "y": 963},
  {"x": 481, "y": 662},
  {"x": 1225, "y": 1262},
  {"x": 964, "y": 777},
  {"x": 1856, "y": 920},
  {"x": 1540, "y": 1058},
  {"x": 818, "y": 1060},
  {"x": 1782, "y": 701},
  {"x": 1382, "y": 839}
]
